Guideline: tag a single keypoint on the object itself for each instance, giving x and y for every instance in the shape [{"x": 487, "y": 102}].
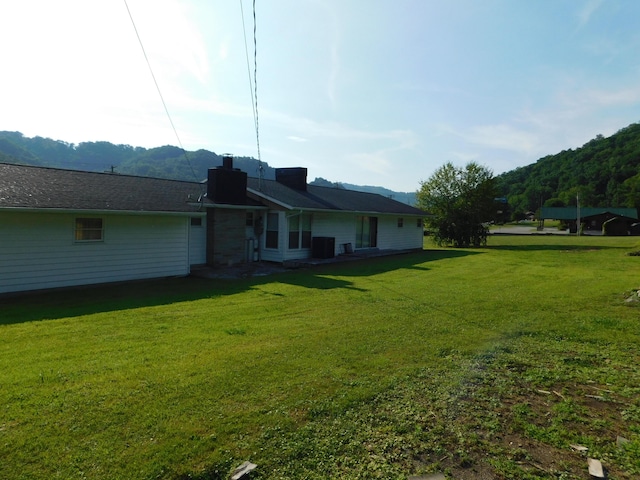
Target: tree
[{"x": 460, "y": 201}]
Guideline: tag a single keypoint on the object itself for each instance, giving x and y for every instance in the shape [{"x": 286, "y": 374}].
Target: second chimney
[{"x": 295, "y": 177}]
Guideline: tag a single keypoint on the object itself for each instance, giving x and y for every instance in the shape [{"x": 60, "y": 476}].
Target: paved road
[{"x": 527, "y": 230}]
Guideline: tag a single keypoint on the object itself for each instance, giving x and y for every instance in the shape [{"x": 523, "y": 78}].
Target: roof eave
[
  {"x": 95, "y": 211},
  {"x": 229, "y": 206}
]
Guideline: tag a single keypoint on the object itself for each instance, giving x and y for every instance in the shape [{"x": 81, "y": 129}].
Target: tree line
[
  {"x": 160, "y": 162},
  {"x": 605, "y": 172}
]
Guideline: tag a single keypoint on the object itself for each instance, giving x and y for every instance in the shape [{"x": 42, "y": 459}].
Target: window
[
  {"x": 300, "y": 231},
  {"x": 305, "y": 222},
  {"x": 419, "y": 223},
  {"x": 366, "y": 231},
  {"x": 196, "y": 221},
  {"x": 271, "y": 239},
  {"x": 294, "y": 231},
  {"x": 249, "y": 219},
  {"x": 400, "y": 222},
  {"x": 89, "y": 230}
]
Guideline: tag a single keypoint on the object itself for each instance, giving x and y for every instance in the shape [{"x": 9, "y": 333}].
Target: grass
[{"x": 472, "y": 362}]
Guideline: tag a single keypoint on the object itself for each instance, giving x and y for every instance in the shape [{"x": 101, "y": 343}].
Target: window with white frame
[
  {"x": 271, "y": 237},
  {"x": 305, "y": 224},
  {"x": 300, "y": 231},
  {"x": 89, "y": 230},
  {"x": 294, "y": 231}
]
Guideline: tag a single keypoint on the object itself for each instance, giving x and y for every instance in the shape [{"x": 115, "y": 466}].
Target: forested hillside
[
  {"x": 605, "y": 172},
  {"x": 405, "y": 197},
  {"x": 161, "y": 162}
]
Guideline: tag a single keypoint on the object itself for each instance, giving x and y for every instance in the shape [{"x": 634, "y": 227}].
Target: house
[
  {"x": 287, "y": 220},
  {"x": 305, "y": 221},
  {"x": 61, "y": 228},
  {"x": 593, "y": 219}
]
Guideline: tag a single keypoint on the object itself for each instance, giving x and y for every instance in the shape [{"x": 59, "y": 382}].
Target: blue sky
[{"x": 371, "y": 92}]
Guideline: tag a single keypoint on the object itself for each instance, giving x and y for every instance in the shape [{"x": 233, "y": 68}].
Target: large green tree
[{"x": 461, "y": 201}]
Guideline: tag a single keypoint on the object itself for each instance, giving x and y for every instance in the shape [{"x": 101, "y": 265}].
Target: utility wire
[
  {"x": 164, "y": 104},
  {"x": 246, "y": 51},
  {"x": 253, "y": 86},
  {"x": 255, "y": 78}
]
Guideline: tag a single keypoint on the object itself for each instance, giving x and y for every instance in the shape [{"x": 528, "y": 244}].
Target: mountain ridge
[
  {"x": 604, "y": 172},
  {"x": 162, "y": 162}
]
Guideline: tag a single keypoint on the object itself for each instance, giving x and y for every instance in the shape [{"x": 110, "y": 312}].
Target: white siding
[
  {"x": 37, "y": 250},
  {"x": 342, "y": 227},
  {"x": 392, "y": 237}
]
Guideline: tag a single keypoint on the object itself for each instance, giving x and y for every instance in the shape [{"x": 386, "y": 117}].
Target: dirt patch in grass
[
  {"x": 524, "y": 430},
  {"x": 501, "y": 418},
  {"x": 493, "y": 419}
]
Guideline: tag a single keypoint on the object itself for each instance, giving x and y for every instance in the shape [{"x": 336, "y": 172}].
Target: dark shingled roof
[
  {"x": 329, "y": 198},
  {"x": 570, "y": 213},
  {"x": 32, "y": 187}
]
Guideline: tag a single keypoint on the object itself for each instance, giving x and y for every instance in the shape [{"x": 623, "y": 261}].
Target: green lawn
[{"x": 469, "y": 362}]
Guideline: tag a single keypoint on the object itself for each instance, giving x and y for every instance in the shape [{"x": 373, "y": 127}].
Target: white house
[
  {"x": 61, "y": 228},
  {"x": 305, "y": 221}
]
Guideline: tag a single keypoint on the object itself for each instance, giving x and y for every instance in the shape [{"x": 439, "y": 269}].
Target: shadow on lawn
[{"x": 86, "y": 300}]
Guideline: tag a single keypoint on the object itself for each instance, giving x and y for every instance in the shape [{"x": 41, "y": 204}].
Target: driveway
[{"x": 526, "y": 230}]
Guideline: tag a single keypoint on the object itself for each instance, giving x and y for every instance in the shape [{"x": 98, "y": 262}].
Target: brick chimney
[
  {"x": 226, "y": 184},
  {"x": 295, "y": 177}
]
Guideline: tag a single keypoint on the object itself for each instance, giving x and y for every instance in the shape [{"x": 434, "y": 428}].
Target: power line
[
  {"x": 246, "y": 50},
  {"x": 164, "y": 104},
  {"x": 253, "y": 88}
]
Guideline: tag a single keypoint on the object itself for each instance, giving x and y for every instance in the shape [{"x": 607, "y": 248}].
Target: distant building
[{"x": 619, "y": 220}]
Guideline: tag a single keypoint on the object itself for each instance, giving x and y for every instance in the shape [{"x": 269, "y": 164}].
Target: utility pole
[{"x": 578, "y": 213}]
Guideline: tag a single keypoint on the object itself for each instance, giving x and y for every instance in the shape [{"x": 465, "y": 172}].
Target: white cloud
[
  {"x": 330, "y": 130},
  {"x": 464, "y": 157},
  {"x": 170, "y": 40},
  {"x": 333, "y": 72},
  {"x": 373, "y": 162},
  {"x": 587, "y": 11},
  {"x": 223, "y": 51},
  {"x": 628, "y": 96},
  {"x": 503, "y": 137}
]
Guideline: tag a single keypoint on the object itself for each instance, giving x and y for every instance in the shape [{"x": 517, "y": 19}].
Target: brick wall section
[{"x": 226, "y": 242}]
